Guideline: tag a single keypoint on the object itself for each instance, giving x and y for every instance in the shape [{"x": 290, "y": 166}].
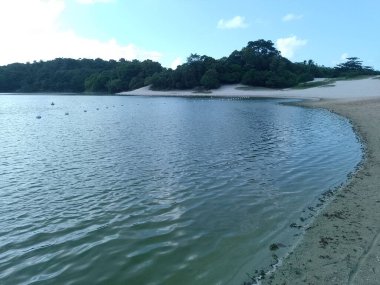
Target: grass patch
[
  {"x": 356, "y": 77},
  {"x": 330, "y": 82},
  {"x": 251, "y": 88},
  {"x": 324, "y": 83},
  {"x": 201, "y": 92}
]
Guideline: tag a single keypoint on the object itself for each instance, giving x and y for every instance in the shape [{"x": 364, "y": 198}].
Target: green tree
[
  {"x": 114, "y": 86},
  {"x": 259, "y": 63},
  {"x": 255, "y": 78},
  {"x": 259, "y": 54},
  {"x": 352, "y": 64},
  {"x": 136, "y": 82},
  {"x": 353, "y": 67},
  {"x": 210, "y": 79}
]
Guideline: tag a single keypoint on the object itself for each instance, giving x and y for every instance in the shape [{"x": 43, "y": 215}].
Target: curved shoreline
[{"x": 342, "y": 245}]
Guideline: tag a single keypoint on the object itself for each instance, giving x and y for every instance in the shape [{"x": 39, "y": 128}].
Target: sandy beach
[
  {"x": 342, "y": 245},
  {"x": 346, "y": 89}
]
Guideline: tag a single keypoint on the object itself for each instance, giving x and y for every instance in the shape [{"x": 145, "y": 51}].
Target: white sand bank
[{"x": 348, "y": 89}]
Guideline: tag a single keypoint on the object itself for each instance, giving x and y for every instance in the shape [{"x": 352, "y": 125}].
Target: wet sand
[{"x": 342, "y": 245}]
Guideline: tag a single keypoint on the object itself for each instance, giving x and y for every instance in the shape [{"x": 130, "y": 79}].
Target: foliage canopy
[{"x": 257, "y": 64}]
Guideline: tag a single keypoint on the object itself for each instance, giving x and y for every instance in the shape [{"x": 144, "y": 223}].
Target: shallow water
[{"x": 158, "y": 190}]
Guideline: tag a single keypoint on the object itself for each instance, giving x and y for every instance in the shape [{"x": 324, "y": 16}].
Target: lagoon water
[{"x": 158, "y": 190}]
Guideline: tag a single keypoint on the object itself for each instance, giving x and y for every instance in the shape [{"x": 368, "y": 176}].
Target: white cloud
[
  {"x": 234, "y": 23},
  {"x": 33, "y": 32},
  {"x": 288, "y": 46},
  {"x": 291, "y": 17},
  {"x": 94, "y": 1},
  {"x": 176, "y": 62},
  {"x": 344, "y": 56}
]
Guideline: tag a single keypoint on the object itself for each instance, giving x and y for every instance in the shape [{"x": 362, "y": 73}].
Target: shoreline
[
  {"x": 342, "y": 243},
  {"x": 344, "y": 89}
]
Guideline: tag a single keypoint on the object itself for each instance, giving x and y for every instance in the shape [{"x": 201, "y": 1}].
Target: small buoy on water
[
  {"x": 66, "y": 113},
  {"x": 85, "y": 111},
  {"x": 38, "y": 117},
  {"x": 97, "y": 109},
  {"x": 52, "y": 103}
]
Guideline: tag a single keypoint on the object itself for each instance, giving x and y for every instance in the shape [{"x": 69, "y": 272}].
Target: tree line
[{"x": 257, "y": 64}]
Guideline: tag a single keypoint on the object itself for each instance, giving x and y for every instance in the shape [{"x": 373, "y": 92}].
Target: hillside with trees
[{"x": 257, "y": 64}]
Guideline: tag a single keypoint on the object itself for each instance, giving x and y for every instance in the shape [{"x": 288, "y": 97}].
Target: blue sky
[{"x": 170, "y": 30}]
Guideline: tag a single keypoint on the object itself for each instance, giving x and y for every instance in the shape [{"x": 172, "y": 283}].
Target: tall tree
[{"x": 210, "y": 79}]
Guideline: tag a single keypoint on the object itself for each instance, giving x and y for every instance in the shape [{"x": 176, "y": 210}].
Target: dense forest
[{"x": 257, "y": 64}]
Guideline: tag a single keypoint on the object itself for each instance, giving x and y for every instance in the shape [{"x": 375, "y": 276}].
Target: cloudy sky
[{"x": 169, "y": 30}]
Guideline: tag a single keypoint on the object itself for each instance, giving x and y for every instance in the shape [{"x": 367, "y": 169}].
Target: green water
[{"x": 158, "y": 190}]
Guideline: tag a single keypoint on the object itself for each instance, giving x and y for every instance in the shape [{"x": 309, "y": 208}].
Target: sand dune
[{"x": 347, "y": 89}]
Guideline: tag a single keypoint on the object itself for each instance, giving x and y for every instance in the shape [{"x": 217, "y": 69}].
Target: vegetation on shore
[{"x": 258, "y": 64}]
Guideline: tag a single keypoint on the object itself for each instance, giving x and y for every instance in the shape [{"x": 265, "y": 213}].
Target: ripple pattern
[{"x": 157, "y": 190}]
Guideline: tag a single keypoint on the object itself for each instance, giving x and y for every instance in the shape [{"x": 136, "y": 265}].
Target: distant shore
[
  {"x": 345, "y": 89},
  {"x": 342, "y": 245}
]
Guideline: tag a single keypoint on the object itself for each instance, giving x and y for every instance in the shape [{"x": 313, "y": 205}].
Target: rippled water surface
[{"x": 157, "y": 190}]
